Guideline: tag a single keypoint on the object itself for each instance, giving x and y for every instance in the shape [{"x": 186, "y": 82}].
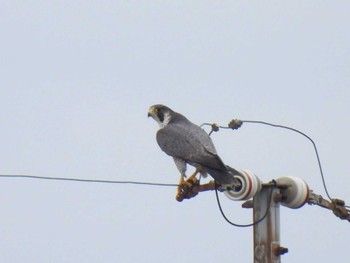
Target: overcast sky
[{"x": 77, "y": 79}]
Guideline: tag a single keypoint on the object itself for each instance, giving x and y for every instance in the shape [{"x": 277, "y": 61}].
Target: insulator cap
[
  {"x": 251, "y": 184},
  {"x": 297, "y": 192}
]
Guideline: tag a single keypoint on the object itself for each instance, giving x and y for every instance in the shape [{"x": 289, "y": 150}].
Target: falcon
[{"x": 189, "y": 144}]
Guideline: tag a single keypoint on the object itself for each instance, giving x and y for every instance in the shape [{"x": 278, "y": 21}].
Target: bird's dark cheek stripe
[{"x": 160, "y": 116}]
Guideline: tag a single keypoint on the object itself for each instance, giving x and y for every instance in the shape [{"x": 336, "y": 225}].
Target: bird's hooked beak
[{"x": 152, "y": 112}]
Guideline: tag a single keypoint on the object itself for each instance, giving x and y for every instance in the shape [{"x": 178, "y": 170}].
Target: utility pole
[
  {"x": 266, "y": 199},
  {"x": 267, "y": 232}
]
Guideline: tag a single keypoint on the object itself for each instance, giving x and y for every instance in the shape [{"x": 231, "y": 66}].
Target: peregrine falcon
[{"x": 189, "y": 144}]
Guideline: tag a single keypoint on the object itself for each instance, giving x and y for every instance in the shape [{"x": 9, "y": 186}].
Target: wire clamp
[{"x": 235, "y": 124}]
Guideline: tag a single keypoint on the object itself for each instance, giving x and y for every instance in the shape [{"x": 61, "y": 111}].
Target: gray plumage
[{"x": 187, "y": 143}]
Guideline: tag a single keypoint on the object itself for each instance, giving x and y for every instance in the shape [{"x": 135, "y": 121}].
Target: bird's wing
[{"x": 190, "y": 143}]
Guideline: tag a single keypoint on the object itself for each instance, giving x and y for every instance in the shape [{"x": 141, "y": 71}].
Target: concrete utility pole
[{"x": 267, "y": 247}]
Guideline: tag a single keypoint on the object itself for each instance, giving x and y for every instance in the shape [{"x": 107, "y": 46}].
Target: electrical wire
[
  {"x": 129, "y": 182},
  {"x": 85, "y": 180},
  {"x": 306, "y": 136},
  {"x": 235, "y": 124},
  {"x": 242, "y": 225},
  {"x": 122, "y": 182}
]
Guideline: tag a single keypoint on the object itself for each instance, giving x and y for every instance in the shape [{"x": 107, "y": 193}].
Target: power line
[
  {"x": 85, "y": 180},
  {"x": 306, "y": 136},
  {"x": 235, "y": 124},
  {"x": 124, "y": 182}
]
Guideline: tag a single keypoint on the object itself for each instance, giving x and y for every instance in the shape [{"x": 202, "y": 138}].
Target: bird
[{"x": 189, "y": 144}]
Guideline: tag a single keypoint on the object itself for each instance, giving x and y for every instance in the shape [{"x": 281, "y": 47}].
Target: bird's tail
[{"x": 225, "y": 177}]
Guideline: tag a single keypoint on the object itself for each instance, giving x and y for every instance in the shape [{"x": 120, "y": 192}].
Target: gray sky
[{"x": 77, "y": 79}]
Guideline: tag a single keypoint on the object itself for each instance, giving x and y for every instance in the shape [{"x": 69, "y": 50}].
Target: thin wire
[
  {"x": 242, "y": 225},
  {"x": 85, "y": 180},
  {"x": 216, "y": 127},
  {"x": 306, "y": 136}
]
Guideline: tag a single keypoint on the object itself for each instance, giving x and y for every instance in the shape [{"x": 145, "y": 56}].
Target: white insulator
[
  {"x": 251, "y": 184},
  {"x": 297, "y": 192}
]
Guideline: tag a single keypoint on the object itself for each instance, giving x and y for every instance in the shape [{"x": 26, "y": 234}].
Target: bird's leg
[
  {"x": 188, "y": 188},
  {"x": 184, "y": 182},
  {"x": 193, "y": 179}
]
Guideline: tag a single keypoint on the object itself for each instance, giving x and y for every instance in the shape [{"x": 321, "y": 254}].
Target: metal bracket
[{"x": 336, "y": 205}]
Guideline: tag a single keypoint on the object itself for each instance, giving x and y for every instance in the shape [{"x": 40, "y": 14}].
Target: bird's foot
[
  {"x": 185, "y": 190},
  {"x": 193, "y": 180}
]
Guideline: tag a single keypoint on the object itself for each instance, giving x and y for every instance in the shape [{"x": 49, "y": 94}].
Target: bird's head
[{"x": 161, "y": 114}]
